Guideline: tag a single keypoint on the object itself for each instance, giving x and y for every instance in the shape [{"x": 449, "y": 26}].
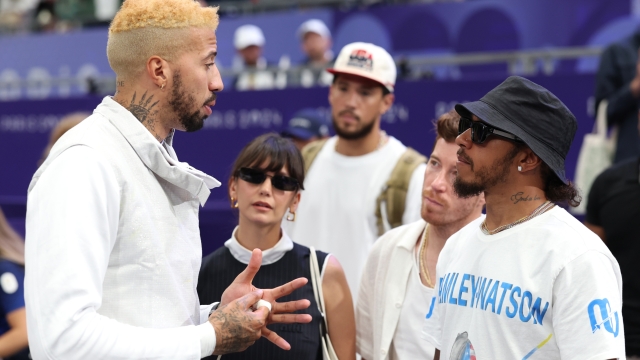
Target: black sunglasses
[
  {"x": 480, "y": 131},
  {"x": 256, "y": 176}
]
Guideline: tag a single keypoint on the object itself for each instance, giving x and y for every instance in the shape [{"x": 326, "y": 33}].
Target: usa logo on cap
[{"x": 361, "y": 59}]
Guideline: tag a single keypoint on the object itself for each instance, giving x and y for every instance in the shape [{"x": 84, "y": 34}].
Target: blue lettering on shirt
[
  {"x": 607, "y": 317},
  {"x": 463, "y": 290},
  {"x": 489, "y": 295}
]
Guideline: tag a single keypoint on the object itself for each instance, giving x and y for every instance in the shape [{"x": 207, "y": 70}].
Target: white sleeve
[
  {"x": 587, "y": 316},
  {"x": 413, "y": 204},
  {"x": 365, "y": 308},
  {"x": 72, "y": 223}
]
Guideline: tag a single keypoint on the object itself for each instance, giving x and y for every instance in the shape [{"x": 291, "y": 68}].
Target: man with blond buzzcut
[{"x": 113, "y": 245}]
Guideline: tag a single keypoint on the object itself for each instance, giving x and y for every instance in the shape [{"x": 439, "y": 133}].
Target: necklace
[
  {"x": 546, "y": 206},
  {"x": 421, "y": 260}
]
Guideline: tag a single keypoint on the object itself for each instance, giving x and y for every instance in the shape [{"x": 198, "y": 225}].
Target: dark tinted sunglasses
[
  {"x": 480, "y": 131},
  {"x": 257, "y": 177}
]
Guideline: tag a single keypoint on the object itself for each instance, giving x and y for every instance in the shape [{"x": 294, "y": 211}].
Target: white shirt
[
  {"x": 389, "y": 303},
  {"x": 545, "y": 289},
  {"x": 407, "y": 341},
  {"x": 337, "y": 210},
  {"x": 113, "y": 246}
]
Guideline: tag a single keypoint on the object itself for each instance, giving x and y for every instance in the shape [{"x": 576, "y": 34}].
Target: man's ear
[
  {"x": 387, "y": 102},
  {"x": 529, "y": 161},
  {"x": 158, "y": 70}
]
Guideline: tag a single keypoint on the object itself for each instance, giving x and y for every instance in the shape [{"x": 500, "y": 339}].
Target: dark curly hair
[{"x": 556, "y": 190}]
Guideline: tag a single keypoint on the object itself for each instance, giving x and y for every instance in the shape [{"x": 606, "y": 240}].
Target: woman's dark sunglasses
[
  {"x": 480, "y": 131},
  {"x": 257, "y": 177}
]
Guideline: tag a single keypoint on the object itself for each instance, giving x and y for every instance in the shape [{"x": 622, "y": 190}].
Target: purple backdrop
[{"x": 240, "y": 116}]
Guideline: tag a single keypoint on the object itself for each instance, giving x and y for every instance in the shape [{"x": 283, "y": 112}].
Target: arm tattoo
[
  {"x": 519, "y": 196},
  {"x": 142, "y": 111}
]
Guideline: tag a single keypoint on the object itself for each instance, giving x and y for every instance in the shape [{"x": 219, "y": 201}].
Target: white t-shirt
[
  {"x": 337, "y": 209},
  {"x": 407, "y": 341},
  {"x": 545, "y": 289}
]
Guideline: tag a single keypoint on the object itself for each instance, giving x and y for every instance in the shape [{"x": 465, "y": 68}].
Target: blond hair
[{"x": 144, "y": 28}]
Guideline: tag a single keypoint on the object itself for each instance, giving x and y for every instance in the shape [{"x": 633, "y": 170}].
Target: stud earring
[
  {"x": 291, "y": 216},
  {"x": 519, "y": 168},
  {"x": 234, "y": 203},
  {"x": 162, "y": 86}
]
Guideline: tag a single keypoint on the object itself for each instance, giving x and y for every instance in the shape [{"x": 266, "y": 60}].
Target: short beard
[
  {"x": 359, "y": 134},
  {"x": 182, "y": 102},
  {"x": 487, "y": 177}
]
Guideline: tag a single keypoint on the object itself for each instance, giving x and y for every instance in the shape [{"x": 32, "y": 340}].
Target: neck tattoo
[{"x": 546, "y": 206}]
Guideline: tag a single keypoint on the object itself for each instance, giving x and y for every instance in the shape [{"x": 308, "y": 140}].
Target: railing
[{"x": 523, "y": 62}]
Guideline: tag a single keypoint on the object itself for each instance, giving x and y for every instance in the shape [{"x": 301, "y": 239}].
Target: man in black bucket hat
[{"x": 528, "y": 281}]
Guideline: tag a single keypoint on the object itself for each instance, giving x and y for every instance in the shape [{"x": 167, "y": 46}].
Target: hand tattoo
[
  {"x": 517, "y": 197},
  {"x": 233, "y": 329}
]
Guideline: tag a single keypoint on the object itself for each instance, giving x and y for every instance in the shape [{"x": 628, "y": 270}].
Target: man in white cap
[
  {"x": 249, "y": 41},
  {"x": 315, "y": 41},
  {"x": 361, "y": 172}
]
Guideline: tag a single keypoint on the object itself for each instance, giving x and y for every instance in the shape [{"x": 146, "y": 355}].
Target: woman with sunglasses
[{"x": 264, "y": 186}]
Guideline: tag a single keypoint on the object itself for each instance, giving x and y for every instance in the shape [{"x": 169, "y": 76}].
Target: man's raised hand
[{"x": 280, "y": 312}]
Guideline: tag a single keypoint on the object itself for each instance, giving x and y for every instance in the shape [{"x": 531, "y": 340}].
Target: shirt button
[
  {"x": 398, "y": 305},
  {"x": 383, "y": 352}
]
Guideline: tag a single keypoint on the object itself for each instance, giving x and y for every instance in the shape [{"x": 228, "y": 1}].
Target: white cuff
[{"x": 207, "y": 339}]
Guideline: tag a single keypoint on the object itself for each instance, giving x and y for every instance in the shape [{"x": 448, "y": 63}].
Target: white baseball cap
[
  {"x": 314, "y": 26},
  {"x": 247, "y": 35},
  {"x": 368, "y": 61}
]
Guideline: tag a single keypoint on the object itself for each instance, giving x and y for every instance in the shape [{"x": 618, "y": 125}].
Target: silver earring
[{"x": 519, "y": 168}]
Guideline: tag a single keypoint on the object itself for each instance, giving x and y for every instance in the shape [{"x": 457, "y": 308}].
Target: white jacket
[
  {"x": 113, "y": 247},
  {"x": 383, "y": 288}
]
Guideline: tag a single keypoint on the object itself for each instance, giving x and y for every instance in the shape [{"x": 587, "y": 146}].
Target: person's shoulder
[
  {"x": 617, "y": 171},
  {"x": 570, "y": 235},
  {"x": 397, "y": 234},
  {"x": 303, "y": 251}
]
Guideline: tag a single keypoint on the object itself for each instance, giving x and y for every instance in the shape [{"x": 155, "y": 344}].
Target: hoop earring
[
  {"x": 234, "y": 203},
  {"x": 519, "y": 168},
  {"x": 291, "y": 216}
]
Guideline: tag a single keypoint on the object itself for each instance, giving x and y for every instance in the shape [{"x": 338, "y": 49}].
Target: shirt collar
[
  {"x": 159, "y": 157},
  {"x": 269, "y": 256}
]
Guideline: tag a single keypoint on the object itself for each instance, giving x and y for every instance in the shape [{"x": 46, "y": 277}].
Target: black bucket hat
[{"x": 532, "y": 113}]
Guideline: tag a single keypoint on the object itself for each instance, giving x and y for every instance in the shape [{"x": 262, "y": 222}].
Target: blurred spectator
[
  {"x": 13, "y": 318},
  {"x": 613, "y": 213},
  {"x": 306, "y": 126},
  {"x": 361, "y": 182},
  {"x": 249, "y": 41},
  {"x": 15, "y": 14},
  {"x": 618, "y": 81},
  {"x": 315, "y": 40},
  {"x": 65, "y": 124}
]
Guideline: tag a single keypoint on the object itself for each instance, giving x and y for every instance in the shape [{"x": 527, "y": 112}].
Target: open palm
[{"x": 280, "y": 312}]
